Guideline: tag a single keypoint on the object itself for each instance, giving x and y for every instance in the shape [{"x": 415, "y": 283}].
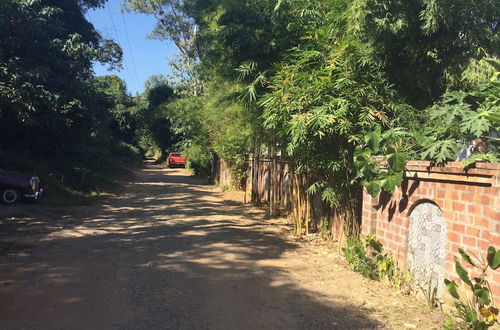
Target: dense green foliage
[
  {"x": 461, "y": 116},
  {"x": 324, "y": 97},
  {"x": 366, "y": 256},
  {"x": 350, "y": 89},
  {"x": 46, "y": 92},
  {"x": 56, "y": 118}
]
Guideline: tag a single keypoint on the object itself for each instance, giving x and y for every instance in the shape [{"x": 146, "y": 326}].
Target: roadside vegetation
[
  {"x": 80, "y": 133},
  {"x": 476, "y": 310},
  {"x": 331, "y": 84}
]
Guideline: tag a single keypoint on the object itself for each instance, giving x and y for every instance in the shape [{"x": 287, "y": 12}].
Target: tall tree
[
  {"x": 46, "y": 53},
  {"x": 173, "y": 23}
]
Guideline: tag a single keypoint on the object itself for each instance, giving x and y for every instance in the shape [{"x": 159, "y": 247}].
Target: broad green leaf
[
  {"x": 482, "y": 293},
  {"x": 493, "y": 257},
  {"x": 396, "y": 160},
  {"x": 481, "y": 325},
  {"x": 452, "y": 289},
  {"x": 462, "y": 273},
  {"x": 372, "y": 140},
  {"x": 361, "y": 155},
  {"x": 474, "y": 123},
  {"x": 391, "y": 181},
  {"x": 441, "y": 150},
  {"x": 466, "y": 257},
  {"x": 396, "y": 132},
  {"x": 373, "y": 187},
  {"x": 399, "y": 177},
  {"x": 362, "y": 160},
  {"x": 488, "y": 157}
]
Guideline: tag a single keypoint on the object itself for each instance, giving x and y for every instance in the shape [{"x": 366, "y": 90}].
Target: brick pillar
[{"x": 369, "y": 214}]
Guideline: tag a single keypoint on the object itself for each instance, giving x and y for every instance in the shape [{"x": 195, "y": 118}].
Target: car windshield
[{"x": 176, "y": 155}]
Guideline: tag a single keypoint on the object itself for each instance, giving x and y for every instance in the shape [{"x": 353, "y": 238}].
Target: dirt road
[{"x": 171, "y": 253}]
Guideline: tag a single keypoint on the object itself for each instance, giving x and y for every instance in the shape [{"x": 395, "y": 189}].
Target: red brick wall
[{"x": 469, "y": 201}]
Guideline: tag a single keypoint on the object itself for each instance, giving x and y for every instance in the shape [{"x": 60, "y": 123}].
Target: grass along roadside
[{"x": 80, "y": 177}]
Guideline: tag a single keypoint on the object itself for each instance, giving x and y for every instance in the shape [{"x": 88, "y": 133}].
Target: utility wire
[
  {"x": 115, "y": 31},
  {"x": 130, "y": 47}
]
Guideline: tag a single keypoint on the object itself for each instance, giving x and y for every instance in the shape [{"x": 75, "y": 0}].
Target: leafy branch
[
  {"x": 381, "y": 172},
  {"x": 479, "y": 312}
]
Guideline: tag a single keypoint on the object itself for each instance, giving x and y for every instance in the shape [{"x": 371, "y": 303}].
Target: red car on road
[{"x": 176, "y": 159}]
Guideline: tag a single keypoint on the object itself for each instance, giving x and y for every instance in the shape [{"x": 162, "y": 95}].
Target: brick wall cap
[
  {"x": 479, "y": 169},
  {"x": 478, "y": 165}
]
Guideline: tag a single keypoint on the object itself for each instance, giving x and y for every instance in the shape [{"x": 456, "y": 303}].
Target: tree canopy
[{"x": 46, "y": 53}]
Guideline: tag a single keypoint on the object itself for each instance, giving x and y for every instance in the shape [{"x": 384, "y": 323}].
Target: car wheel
[{"x": 10, "y": 196}]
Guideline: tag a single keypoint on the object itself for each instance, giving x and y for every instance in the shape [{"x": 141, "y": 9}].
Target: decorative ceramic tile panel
[{"x": 427, "y": 246}]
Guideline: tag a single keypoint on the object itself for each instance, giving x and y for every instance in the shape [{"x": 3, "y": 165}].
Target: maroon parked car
[{"x": 15, "y": 187}]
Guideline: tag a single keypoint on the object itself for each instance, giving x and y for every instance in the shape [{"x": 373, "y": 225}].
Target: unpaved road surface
[{"x": 172, "y": 253}]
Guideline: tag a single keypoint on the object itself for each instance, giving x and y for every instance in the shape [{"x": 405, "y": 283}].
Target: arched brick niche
[
  {"x": 469, "y": 202},
  {"x": 427, "y": 246}
]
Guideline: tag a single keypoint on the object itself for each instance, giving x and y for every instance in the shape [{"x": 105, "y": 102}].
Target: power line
[
  {"x": 115, "y": 31},
  {"x": 129, "y": 47}
]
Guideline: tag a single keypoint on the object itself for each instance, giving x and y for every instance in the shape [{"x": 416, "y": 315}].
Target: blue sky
[{"x": 144, "y": 57}]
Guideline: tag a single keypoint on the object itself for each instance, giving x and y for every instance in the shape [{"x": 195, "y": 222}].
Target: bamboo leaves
[{"x": 323, "y": 106}]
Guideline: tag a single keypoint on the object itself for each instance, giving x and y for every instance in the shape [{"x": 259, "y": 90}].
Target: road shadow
[{"x": 166, "y": 254}]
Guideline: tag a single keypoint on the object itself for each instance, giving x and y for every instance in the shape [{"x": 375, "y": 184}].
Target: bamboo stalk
[
  {"x": 294, "y": 204},
  {"x": 299, "y": 208},
  {"x": 307, "y": 202}
]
